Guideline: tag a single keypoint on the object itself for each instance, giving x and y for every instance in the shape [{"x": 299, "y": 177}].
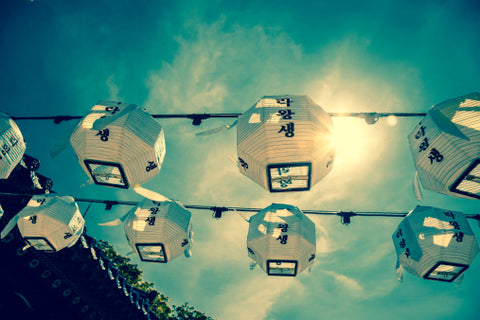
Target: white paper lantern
[
  {"x": 50, "y": 222},
  {"x": 285, "y": 143},
  {"x": 435, "y": 244},
  {"x": 445, "y": 147},
  {"x": 159, "y": 231},
  {"x": 281, "y": 239},
  {"x": 119, "y": 145},
  {"x": 12, "y": 145}
]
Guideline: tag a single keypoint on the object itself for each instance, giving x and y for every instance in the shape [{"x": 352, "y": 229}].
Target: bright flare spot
[
  {"x": 392, "y": 120},
  {"x": 350, "y": 138}
]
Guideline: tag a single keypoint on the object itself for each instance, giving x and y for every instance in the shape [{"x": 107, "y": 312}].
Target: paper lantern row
[
  {"x": 431, "y": 243},
  {"x": 285, "y": 143}
]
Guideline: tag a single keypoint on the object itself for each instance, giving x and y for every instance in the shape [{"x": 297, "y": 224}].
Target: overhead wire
[
  {"x": 218, "y": 210},
  {"x": 198, "y": 118}
]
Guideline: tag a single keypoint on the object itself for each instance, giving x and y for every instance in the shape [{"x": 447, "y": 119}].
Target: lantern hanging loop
[
  {"x": 217, "y": 212},
  {"x": 345, "y": 217}
]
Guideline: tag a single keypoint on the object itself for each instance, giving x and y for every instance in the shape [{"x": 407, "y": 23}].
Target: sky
[{"x": 61, "y": 57}]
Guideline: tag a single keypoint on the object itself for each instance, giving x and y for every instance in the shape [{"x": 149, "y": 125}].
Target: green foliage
[
  {"x": 159, "y": 305},
  {"x": 186, "y": 312}
]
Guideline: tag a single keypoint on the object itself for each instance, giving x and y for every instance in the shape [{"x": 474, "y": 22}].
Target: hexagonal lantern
[
  {"x": 159, "y": 231},
  {"x": 281, "y": 239},
  {"x": 285, "y": 143},
  {"x": 12, "y": 145},
  {"x": 435, "y": 244},
  {"x": 50, "y": 222},
  {"x": 119, "y": 145},
  {"x": 445, "y": 147}
]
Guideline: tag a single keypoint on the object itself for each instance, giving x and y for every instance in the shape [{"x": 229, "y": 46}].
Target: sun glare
[{"x": 351, "y": 139}]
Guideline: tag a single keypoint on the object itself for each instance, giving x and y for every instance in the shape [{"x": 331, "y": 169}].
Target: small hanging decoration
[
  {"x": 285, "y": 143},
  {"x": 12, "y": 146},
  {"x": 281, "y": 239},
  {"x": 445, "y": 147},
  {"x": 159, "y": 231},
  {"x": 435, "y": 244},
  {"x": 119, "y": 145},
  {"x": 49, "y": 222}
]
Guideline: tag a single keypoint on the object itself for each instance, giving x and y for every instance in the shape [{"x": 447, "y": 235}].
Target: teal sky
[{"x": 60, "y": 57}]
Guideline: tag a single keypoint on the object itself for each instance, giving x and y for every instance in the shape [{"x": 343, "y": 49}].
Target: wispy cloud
[
  {"x": 112, "y": 88},
  {"x": 224, "y": 69},
  {"x": 254, "y": 297},
  {"x": 344, "y": 281}
]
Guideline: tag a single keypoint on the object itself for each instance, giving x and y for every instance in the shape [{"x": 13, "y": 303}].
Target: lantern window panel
[
  {"x": 289, "y": 177},
  {"x": 286, "y": 268},
  {"x": 107, "y": 173},
  {"x": 40, "y": 243},
  {"x": 445, "y": 271},
  {"x": 152, "y": 252},
  {"x": 469, "y": 182}
]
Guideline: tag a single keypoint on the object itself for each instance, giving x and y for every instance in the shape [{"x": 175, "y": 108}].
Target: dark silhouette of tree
[{"x": 159, "y": 304}]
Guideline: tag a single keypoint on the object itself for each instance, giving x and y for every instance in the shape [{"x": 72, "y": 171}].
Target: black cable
[
  {"x": 197, "y": 118},
  {"x": 220, "y": 209}
]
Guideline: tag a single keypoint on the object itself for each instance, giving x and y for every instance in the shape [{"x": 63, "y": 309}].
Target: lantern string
[
  {"x": 88, "y": 208},
  {"x": 198, "y": 118},
  {"x": 217, "y": 210}
]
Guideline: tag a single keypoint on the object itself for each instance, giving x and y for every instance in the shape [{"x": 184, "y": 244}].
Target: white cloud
[
  {"x": 253, "y": 297},
  {"x": 112, "y": 89},
  {"x": 344, "y": 281},
  {"x": 225, "y": 70}
]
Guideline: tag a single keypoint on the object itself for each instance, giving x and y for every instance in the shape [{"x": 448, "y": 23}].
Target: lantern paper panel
[
  {"x": 445, "y": 147},
  {"x": 12, "y": 145},
  {"x": 119, "y": 145},
  {"x": 50, "y": 222},
  {"x": 435, "y": 244},
  {"x": 281, "y": 239},
  {"x": 285, "y": 143},
  {"x": 159, "y": 231}
]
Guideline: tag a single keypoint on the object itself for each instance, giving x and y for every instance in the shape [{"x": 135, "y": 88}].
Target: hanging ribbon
[
  {"x": 446, "y": 125},
  {"x": 459, "y": 279},
  {"x": 399, "y": 268},
  {"x": 86, "y": 211},
  {"x": 149, "y": 194},
  {"x": 87, "y": 183},
  {"x": 188, "y": 253},
  {"x": 115, "y": 222},
  {"x": 241, "y": 215},
  {"x": 62, "y": 144},
  {"x": 101, "y": 123},
  {"x": 417, "y": 187},
  {"x": 217, "y": 130},
  {"x": 233, "y": 160},
  {"x": 12, "y": 223}
]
